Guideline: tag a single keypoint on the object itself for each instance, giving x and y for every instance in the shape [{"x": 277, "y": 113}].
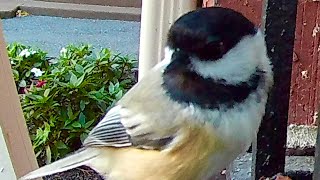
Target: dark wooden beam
[
  {"x": 279, "y": 22},
  {"x": 199, "y": 3}
]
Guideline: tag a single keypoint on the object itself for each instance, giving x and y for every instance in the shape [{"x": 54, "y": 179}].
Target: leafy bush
[
  {"x": 70, "y": 96},
  {"x": 23, "y": 59}
]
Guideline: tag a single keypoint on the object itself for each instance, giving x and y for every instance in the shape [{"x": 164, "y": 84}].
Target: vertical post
[
  {"x": 279, "y": 22},
  {"x": 156, "y": 18},
  {"x": 316, "y": 172},
  {"x": 12, "y": 122}
]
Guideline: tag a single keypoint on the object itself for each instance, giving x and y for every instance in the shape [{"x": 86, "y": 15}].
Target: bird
[{"x": 191, "y": 114}]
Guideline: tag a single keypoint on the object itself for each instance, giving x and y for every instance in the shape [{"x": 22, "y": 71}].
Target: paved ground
[
  {"x": 53, "y": 33},
  {"x": 242, "y": 166}
]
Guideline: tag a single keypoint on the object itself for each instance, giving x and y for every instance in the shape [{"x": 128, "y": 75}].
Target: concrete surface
[
  {"x": 301, "y": 136},
  {"x": 53, "y": 33},
  {"x": 119, "y": 3},
  {"x": 115, "y": 10},
  {"x": 242, "y": 166},
  {"x": 81, "y": 10},
  {"x": 6, "y": 168},
  {"x": 8, "y": 8}
]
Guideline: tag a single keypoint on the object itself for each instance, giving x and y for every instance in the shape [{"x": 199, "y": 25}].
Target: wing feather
[
  {"x": 109, "y": 131},
  {"x": 124, "y": 126}
]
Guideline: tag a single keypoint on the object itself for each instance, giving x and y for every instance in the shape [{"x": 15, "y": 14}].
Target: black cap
[{"x": 209, "y": 33}]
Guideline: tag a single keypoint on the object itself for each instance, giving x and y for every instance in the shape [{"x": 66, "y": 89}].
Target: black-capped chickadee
[{"x": 192, "y": 114}]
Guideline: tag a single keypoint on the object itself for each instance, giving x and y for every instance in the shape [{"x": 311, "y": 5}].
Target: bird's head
[
  {"x": 217, "y": 43},
  {"x": 215, "y": 57}
]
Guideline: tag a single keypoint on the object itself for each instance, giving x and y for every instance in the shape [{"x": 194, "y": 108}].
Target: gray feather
[
  {"x": 109, "y": 132},
  {"x": 79, "y": 158}
]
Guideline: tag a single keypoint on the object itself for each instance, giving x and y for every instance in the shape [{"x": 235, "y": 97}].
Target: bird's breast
[{"x": 188, "y": 159}]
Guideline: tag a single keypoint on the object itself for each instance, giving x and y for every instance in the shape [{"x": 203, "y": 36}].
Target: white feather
[
  {"x": 238, "y": 64},
  {"x": 166, "y": 60}
]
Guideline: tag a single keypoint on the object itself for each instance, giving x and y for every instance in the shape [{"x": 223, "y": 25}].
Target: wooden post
[
  {"x": 279, "y": 22},
  {"x": 156, "y": 18},
  {"x": 12, "y": 122},
  {"x": 316, "y": 172}
]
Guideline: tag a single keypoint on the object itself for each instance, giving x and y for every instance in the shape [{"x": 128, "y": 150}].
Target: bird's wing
[
  {"x": 111, "y": 131},
  {"x": 145, "y": 127}
]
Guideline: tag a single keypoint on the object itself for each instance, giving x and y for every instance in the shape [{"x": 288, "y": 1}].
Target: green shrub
[
  {"x": 71, "y": 96},
  {"x": 23, "y": 59}
]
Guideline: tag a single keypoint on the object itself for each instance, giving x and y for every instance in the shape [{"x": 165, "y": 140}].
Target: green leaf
[
  {"x": 76, "y": 124},
  {"x": 80, "y": 80},
  {"x": 82, "y": 105},
  {"x": 88, "y": 124},
  {"x": 96, "y": 95},
  {"x": 62, "y": 84},
  {"x": 73, "y": 79},
  {"x": 111, "y": 88},
  {"x": 83, "y": 136},
  {"x": 67, "y": 122},
  {"x": 46, "y": 93},
  {"x": 70, "y": 113},
  {"x": 22, "y": 83},
  {"x": 61, "y": 145},
  {"x": 28, "y": 73},
  {"x": 116, "y": 86},
  {"x": 69, "y": 127},
  {"x": 37, "y": 64},
  {"x": 37, "y": 154},
  {"x": 102, "y": 105},
  {"x": 48, "y": 154},
  {"x": 35, "y": 97},
  {"x": 119, "y": 95},
  {"x": 82, "y": 119},
  {"x": 89, "y": 68},
  {"x": 103, "y": 63},
  {"x": 79, "y": 68},
  {"x": 15, "y": 73},
  {"x": 55, "y": 70},
  {"x": 101, "y": 90}
]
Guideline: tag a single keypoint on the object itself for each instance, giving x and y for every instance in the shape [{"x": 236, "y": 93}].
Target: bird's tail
[{"x": 79, "y": 158}]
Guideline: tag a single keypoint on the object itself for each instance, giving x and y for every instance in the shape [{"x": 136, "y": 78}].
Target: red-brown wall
[{"x": 305, "y": 95}]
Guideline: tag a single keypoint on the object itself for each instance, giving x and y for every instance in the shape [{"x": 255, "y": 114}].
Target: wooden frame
[
  {"x": 12, "y": 122},
  {"x": 156, "y": 18}
]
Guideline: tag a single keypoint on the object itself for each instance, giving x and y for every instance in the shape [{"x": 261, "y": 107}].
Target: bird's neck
[{"x": 184, "y": 85}]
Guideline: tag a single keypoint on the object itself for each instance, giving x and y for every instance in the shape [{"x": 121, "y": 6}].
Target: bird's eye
[
  {"x": 212, "y": 39},
  {"x": 212, "y": 50}
]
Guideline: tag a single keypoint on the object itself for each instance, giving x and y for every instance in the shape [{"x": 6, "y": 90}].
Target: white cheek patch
[{"x": 238, "y": 64}]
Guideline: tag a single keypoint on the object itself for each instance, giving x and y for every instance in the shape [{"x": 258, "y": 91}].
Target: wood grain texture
[{"x": 12, "y": 121}]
